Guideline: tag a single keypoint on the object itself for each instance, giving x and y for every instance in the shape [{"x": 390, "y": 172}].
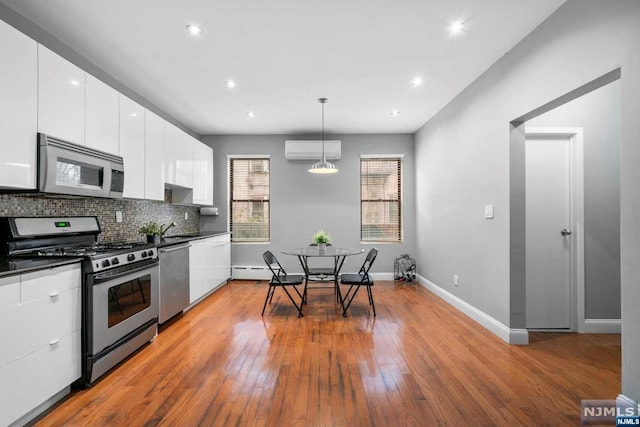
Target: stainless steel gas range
[{"x": 120, "y": 284}]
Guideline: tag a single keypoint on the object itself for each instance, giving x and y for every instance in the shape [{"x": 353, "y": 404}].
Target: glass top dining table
[
  {"x": 337, "y": 253},
  {"x": 316, "y": 251}
]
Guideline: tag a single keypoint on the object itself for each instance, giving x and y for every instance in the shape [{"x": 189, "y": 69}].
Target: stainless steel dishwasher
[{"x": 174, "y": 280}]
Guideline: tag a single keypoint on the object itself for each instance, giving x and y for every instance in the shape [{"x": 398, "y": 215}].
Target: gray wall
[
  {"x": 598, "y": 113},
  {"x": 464, "y": 158},
  {"x": 302, "y": 203}
]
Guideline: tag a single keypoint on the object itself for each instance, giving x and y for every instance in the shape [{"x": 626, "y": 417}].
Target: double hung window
[
  {"x": 249, "y": 217},
  {"x": 381, "y": 199}
]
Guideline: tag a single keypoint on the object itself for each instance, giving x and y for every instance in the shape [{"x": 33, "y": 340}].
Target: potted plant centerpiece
[
  {"x": 152, "y": 230},
  {"x": 321, "y": 238}
]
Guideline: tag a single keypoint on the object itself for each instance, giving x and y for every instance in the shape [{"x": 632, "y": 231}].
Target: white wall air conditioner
[{"x": 311, "y": 150}]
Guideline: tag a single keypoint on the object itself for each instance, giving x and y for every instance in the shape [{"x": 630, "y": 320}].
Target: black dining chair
[
  {"x": 355, "y": 281},
  {"x": 281, "y": 279}
]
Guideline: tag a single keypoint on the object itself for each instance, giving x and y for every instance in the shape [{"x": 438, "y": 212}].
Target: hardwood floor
[{"x": 418, "y": 363}]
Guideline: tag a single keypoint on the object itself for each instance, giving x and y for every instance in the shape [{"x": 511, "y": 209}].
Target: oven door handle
[{"x": 101, "y": 278}]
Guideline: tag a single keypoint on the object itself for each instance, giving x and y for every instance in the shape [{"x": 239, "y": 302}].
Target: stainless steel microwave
[{"x": 68, "y": 168}]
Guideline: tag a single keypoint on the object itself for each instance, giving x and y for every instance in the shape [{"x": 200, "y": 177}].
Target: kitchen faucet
[{"x": 173, "y": 224}]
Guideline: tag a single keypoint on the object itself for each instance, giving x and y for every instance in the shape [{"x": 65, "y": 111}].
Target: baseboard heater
[{"x": 250, "y": 272}]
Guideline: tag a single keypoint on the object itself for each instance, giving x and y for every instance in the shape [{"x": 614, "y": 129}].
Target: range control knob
[
  {"x": 144, "y": 254},
  {"x": 115, "y": 261},
  {"x": 131, "y": 257},
  {"x": 106, "y": 263},
  {"x": 150, "y": 252}
]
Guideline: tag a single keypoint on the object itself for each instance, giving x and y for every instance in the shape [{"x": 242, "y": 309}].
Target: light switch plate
[
  {"x": 118, "y": 216},
  {"x": 186, "y": 215},
  {"x": 488, "y": 211}
]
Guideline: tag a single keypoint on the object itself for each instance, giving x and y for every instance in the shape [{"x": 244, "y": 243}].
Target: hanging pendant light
[{"x": 323, "y": 167}]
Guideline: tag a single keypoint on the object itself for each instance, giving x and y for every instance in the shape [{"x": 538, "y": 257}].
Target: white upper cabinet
[
  {"x": 61, "y": 97},
  {"x": 102, "y": 116},
  {"x": 202, "y": 173},
  {"x": 178, "y": 157},
  {"x": 18, "y": 108},
  {"x": 154, "y": 157},
  {"x": 132, "y": 147}
]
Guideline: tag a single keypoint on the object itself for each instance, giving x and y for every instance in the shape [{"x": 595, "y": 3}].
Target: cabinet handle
[
  {"x": 54, "y": 294},
  {"x": 54, "y": 342}
]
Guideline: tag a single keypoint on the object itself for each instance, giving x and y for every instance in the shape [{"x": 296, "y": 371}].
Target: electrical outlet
[
  {"x": 186, "y": 215},
  {"x": 118, "y": 216},
  {"x": 455, "y": 280}
]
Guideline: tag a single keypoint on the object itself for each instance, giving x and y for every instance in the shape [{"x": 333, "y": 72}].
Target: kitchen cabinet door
[
  {"x": 202, "y": 174},
  {"x": 61, "y": 97},
  {"x": 220, "y": 261},
  {"x": 102, "y": 116},
  {"x": 18, "y": 108},
  {"x": 209, "y": 265},
  {"x": 198, "y": 257},
  {"x": 132, "y": 147},
  {"x": 153, "y": 157},
  {"x": 178, "y": 152},
  {"x": 41, "y": 351}
]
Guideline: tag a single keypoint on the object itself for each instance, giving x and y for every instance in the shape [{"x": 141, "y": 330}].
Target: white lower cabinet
[
  {"x": 40, "y": 334},
  {"x": 209, "y": 265}
]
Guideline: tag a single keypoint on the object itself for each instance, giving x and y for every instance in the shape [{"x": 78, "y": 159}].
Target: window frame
[
  {"x": 230, "y": 158},
  {"x": 394, "y": 157}
]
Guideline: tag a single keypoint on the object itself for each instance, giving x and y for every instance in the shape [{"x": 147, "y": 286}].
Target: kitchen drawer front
[
  {"x": 9, "y": 292},
  {"x": 59, "y": 316},
  {"x": 31, "y": 380},
  {"x": 46, "y": 284},
  {"x": 35, "y": 324},
  {"x": 18, "y": 332}
]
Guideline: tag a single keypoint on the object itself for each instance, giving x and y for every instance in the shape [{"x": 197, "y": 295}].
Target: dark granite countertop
[
  {"x": 183, "y": 238},
  {"x": 14, "y": 266}
]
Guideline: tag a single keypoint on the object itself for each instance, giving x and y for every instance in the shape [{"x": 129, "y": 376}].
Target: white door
[{"x": 548, "y": 247}]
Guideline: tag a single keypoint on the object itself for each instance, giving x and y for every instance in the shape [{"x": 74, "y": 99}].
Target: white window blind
[
  {"x": 380, "y": 199},
  {"x": 249, "y": 199}
]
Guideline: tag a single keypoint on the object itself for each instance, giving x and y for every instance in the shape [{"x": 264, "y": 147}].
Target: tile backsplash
[{"x": 134, "y": 213}]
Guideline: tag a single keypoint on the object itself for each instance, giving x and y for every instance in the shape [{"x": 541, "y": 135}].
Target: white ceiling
[{"x": 284, "y": 54}]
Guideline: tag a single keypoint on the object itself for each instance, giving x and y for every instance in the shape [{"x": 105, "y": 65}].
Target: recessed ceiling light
[
  {"x": 251, "y": 114},
  {"x": 230, "y": 84},
  {"x": 194, "y": 30},
  {"x": 395, "y": 113},
  {"x": 456, "y": 27},
  {"x": 416, "y": 81}
]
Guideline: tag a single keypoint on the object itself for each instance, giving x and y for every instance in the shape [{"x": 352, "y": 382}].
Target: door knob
[{"x": 566, "y": 232}]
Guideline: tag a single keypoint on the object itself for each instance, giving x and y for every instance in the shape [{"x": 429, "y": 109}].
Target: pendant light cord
[{"x": 323, "y": 101}]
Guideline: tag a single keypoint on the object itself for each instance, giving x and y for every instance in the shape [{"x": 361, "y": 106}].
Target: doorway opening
[{"x": 591, "y": 299}]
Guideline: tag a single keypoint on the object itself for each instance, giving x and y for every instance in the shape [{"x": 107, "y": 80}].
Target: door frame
[{"x": 577, "y": 287}]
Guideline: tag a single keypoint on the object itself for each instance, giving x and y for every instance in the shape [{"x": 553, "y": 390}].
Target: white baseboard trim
[
  {"x": 511, "y": 336},
  {"x": 381, "y": 276},
  {"x": 602, "y": 326}
]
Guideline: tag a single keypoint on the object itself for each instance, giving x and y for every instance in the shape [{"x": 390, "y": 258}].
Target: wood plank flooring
[{"x": 418, "y": 363}]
